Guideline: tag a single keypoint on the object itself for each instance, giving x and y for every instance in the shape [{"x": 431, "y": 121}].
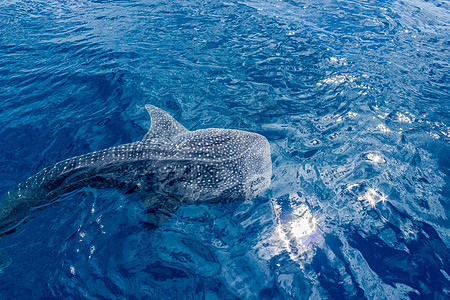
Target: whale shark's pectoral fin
[
  {"x": 163, "y": 126},
  {"x": 159, "y": 207}
]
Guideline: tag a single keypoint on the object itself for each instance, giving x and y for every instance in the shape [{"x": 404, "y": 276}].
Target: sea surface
[{"x": 353, "y": 97}]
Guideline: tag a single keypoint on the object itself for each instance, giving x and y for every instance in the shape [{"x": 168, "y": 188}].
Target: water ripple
[{"x": 352, "y": 95}]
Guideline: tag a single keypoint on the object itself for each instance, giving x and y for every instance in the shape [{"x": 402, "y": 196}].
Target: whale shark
[{"x": 168, "y": 167}]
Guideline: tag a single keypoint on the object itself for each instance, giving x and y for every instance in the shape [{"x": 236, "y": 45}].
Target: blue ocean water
[{"x": 353, "y": 97}]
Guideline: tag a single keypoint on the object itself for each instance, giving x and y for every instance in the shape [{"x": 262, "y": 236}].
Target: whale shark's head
[
  {"x": 211, "y": 164},
  {"x": 254, "y": 163},
  {"x": 225, "y": 164}
]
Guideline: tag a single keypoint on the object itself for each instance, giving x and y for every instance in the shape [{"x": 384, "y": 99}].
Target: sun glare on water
[{"x": 296, "y": 226}]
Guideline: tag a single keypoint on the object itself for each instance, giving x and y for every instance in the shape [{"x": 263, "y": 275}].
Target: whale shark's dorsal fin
[{"x": 163, "y": 126}]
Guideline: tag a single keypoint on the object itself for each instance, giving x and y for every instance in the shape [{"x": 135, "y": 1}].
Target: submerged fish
[{"x": 171, "y": 165}]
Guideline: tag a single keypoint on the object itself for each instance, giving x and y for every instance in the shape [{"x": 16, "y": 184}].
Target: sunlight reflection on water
[{"x": 296, "y": 226}]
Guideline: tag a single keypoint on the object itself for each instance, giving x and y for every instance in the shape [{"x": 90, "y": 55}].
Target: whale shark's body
[{"x": 171, "y": 165}]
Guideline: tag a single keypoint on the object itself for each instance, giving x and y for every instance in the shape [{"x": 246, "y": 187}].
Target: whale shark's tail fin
[
  {"x": 163, "y": 126},
  {"x": 5, "y": 261},
  {"x": 12, "y": 214}
]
